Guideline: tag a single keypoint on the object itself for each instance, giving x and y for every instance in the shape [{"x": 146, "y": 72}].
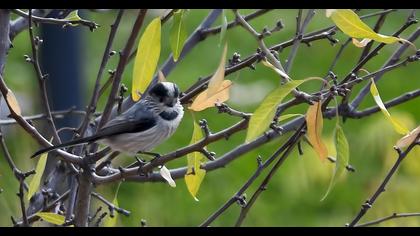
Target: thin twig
[
  {"x": 381, "y": 188},
  {"x": 120, "y": 68},
  {"x": 110, "y": 204},
  {"x": 32, "y": 130},
  {"x": 35, "y": 42},
  {"x": 300, "y": 30},
  {"x": 217, "y": 29},
  {"x": 92, "y": 25},
  {"x": 263, "y": 186},
  {"x": 56, "y": 114},
  {"x": 391, "y": 61},
  {"x": 377, "y": 27},
  {"x": 248, "y": 183},
  {"x": 393, "y": 102},
  {"x": 32, "y": 218},
  {"x": 9, "y": 159},
  {"x": 95, "y": 94},
  {"x": 393, "y": 216}
]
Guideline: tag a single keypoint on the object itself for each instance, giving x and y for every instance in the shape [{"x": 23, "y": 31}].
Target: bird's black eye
[
  {"x": 161, "y": 99},
  {"x": 159, "y": 90}
]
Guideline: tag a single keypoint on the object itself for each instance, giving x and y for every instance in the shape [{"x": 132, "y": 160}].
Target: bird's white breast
[{"x": 132, "y": 143}]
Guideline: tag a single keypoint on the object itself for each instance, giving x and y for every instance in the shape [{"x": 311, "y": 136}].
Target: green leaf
[
  {"x": 223, "y": 29},
  {"x": 315, "y": 123},
  {"x": 112, "y": 221},
  {"x": 36, "y": 179},
  {"x": 178, "y": 34},
  {"x": 52, "y": 218},
  {"x": 350, "y": 23},
  {"x": 195, "y": 175},
  {"x": 342, "y": 160},
  {"x": 264, "y": 114},
  {"x": 147, "y": 57},
  {"x": 73, "y": 16},
  {"x": 398, "y": 126},
  {"x": 288, "y": 116}
]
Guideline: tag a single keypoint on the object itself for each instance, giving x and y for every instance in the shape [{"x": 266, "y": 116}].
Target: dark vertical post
[{"x": 63, "y": 60}]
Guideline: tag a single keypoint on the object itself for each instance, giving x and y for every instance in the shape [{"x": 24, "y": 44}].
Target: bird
[{"x": 148, "y": 123}]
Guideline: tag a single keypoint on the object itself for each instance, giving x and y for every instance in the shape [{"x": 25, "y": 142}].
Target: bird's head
[{"x": 165, "y": 93}]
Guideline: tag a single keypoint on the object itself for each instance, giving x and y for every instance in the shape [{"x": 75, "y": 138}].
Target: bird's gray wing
[{"x": 136, "y": 119}]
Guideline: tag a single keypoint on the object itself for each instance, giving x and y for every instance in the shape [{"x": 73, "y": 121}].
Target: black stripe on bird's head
[{"x": 166, "y": 93}]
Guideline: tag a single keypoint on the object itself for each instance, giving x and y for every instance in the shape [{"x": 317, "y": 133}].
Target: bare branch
[
  {"x": 92, "y": 25},
  {"x": 369, "y": 203},
  {"x": 393, "y": 216}
]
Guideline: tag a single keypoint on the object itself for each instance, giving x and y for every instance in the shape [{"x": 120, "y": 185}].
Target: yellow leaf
[
  {"x": 52, "y": 218},
  {"x": 36, "y": 179},
  {"x": 264, "y": 114},
  {"x": 195, "y": 174},
  {"x": 398, "y": 126},
  {"x": 216, "y": 80},
  {"x": 147, "y": 57},
  {"x": 314, "y": 122},
  {"x": 350, "y": 23},
  {"x": 73, "y": 16},
  {"x": 13, "y": 103},
  {"x": 408, "y": 139},
  {"x": 193, "y": 181},
  {"x": 204, "y": 100}
]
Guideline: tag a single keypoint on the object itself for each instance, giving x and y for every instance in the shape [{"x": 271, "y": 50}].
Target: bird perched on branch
[{"x": 145, "y": 125}]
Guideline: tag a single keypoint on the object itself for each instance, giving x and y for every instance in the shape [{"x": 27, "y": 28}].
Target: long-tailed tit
[{"x": 145, "y": 125}]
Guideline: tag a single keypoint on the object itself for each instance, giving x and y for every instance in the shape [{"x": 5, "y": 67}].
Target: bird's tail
[{"x": 68, "y": 144}]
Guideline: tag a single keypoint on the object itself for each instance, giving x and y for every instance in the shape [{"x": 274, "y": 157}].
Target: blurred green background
[{"x": 293, "y": 195}]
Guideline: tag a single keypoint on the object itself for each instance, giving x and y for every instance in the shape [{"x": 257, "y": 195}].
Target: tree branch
[
  {"x": 261, "y": 166},
  {"x": 369, "y": 203},
  {"x": 92, "y": 25},
  {"x": 95, "y": 94},
  {"x": 393, "y": 216},
  {"x": 35, "y": 42}
]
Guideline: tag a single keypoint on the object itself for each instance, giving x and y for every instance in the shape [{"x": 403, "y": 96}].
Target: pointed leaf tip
[
  {"x": 398, "y": 126},
  {"x": 350, "y": 23},
  {"x": 178, "y": 34},
  {"x": 166, "y": 174},
  {"x": 342, "y": 160},
  {"x": 195, "y": 175}
]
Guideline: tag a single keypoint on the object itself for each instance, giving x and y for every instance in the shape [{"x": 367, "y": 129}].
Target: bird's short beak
[{"x": 171, "y": 104}]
